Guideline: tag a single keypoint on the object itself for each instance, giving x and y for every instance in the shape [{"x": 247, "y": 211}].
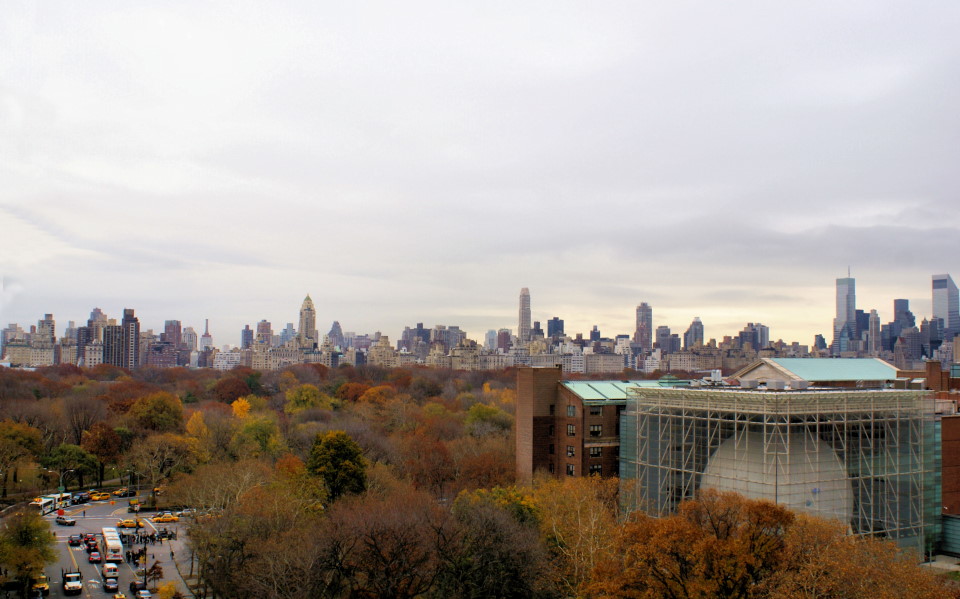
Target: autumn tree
[
  {"x": 161, "y": 455},
  {"x": 71, "y": 457},
  {"x": 26, "y": 546},
  {"x": 578, "y": 520},
  {"x": 104, "y": 444},
  {"x": 18, "y": 442},
  {"x": 339, "y": 462},
  {"x": 721, "y": 545},
  {"x": 160, "y": 412},
  {"x": 81, "y": 414},
  {"x": 305, "y": 397},
  {"x": 820, "y": 559}
]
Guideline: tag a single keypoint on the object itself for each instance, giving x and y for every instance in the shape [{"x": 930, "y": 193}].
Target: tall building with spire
[
  {"x": 644, "y": 330},
  {"x": 206, "y": 340},
  {"x": 845, "y": 322},
  {"x": 307, "y": 331},
  {"x": 946, "y": 305},
  {"x": 523, "y": 330}
]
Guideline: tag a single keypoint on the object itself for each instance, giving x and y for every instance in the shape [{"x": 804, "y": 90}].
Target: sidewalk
[{"x": 173, "y": 556}]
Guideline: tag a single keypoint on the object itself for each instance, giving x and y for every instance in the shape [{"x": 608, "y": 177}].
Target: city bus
[
  {"x": 48, "y": 503},
  {"x": 112, "y": 546}
]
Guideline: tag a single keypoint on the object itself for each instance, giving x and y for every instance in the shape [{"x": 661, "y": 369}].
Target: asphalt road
[{"x": 91, "y": 518}]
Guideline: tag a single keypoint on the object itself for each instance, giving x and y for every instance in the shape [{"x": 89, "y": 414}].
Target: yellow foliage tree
[
  {"x": 167, "y": 590},
  {"x": 241, "y": 408}
]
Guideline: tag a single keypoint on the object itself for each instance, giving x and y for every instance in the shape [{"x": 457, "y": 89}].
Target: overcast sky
[{"x": 409, "y": 162}]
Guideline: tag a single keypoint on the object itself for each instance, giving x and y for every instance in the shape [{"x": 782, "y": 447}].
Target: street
[{"x": 92, "y": 518}]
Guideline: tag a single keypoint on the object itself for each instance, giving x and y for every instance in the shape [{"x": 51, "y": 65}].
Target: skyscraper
[
  {"x": 130, "y": 354},
  {"x": 694, "y": 334},
  {"x": 845, "y": 323},
  {"x": 873, "y": 334},
  {"x": 946, "y": 305},
  {"x": 206, "y": 340},
  {"x": 246, "y": 337},
  {"x": 523, "y": 331},
  {"x": 555, "y": 327},
  {"x": 172, "y": 333},
  {"x": 307, "y": 331},
  {"x": 644, "y": 331}
]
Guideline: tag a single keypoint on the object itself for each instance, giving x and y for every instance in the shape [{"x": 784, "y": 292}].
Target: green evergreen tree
[{"x": 338, "y": 460}]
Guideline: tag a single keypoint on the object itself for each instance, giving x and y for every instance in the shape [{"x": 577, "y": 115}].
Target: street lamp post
[{"x": 60, "y": 487}]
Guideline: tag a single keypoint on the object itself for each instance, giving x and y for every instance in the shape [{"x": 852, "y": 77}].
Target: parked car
[
  {"x": 75, "y": 540},
  {"x": 65, "y": 521}
]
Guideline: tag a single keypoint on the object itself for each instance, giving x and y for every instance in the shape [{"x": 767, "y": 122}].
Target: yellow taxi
[
  {"x": 129, "y": 523},
  {"x": 166, "y": 518},
  {"x": 99, "y": 496}
]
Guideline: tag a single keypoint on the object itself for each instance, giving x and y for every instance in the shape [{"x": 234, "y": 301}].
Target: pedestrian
[{"x": 84, "y": 513}]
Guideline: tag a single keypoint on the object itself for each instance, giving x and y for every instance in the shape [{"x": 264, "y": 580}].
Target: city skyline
[
  {"x": 421, "y": 163},
  {"x": 306, "y": 312}
]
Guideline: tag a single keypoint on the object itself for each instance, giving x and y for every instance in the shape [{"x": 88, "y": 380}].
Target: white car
[
  {"x": 144, "y": 594},
  {"x": 110, "y": 571}
]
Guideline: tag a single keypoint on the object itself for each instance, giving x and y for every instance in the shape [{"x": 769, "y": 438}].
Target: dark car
[
  {"x": 111, "y": 584},
  {"x": 81, "y": 497},
  {"x": 92, "y": 546},
  {"x": 90, "y": 537},
  {"x": 137, "y": 585},
  {"x": 75, "y": 540},
  {"x": 64, "y": 521},
  {"x": 94, "y": 557}
]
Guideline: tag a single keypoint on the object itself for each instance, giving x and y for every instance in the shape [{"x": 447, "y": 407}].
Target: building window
[
  {"x": 596, "y": 410},
  {"x": 594, "y": 452},
  {"x": 552, "y": 449},
  {"x": 571, "y": 470},
  {"x": 552, "y": 409},
  {"x": 596, "y": 469},
  {"x": 571, "y": 430},
  {"x": 596, "y": 430},
  {"x": 571, "y": 452},
  {"x": 551, "y": 467},
  {"x": 553, "y": 430},
  {"x": 572, "y": 411}
]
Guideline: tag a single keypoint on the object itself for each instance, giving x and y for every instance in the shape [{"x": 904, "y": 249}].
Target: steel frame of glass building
[{"x": 867, "y": 456}]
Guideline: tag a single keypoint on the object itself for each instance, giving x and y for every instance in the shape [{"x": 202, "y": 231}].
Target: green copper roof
[
  {"x": 838, "y": 369},
  {"x": 613, "y": 390}
]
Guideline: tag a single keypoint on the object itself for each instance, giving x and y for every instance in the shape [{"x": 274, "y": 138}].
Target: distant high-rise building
[
  {"x": 335, "y": 336},
  {"x": 946, "y": 305},
  {"x": 694, "y": 335},
  {"x": 112, "y": 336},
  {"x": 172, "y": 333},
  {"x": 288, "y": 334},
  {"x": 206, "y": 340},
  {"x": 667, "y": 342},
  {"x": 504, "y": 339},
  {"x": 131, "y": 339},
  {"x": 845, "y": 322},
  {"x": 595, "y": 333},
  {"x": 523, "y": 331},
  {"x": 246, "y": 337},
  {"x": 644, "y": 330},
  {"x": 189, "y": 338},
  {"x": 46, "y": 335},
  {"x": 97, "y": 321},
  {"x": 873, "y": 334},
  {"x": 535, "y": 331},
  {"x": 264, "y": 335},
  {"x": 555, "y": 327},
  {"x": 307, "y": 331}
]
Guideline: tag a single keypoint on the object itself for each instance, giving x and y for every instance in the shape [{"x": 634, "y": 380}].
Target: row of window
[
  {"x": 572, "y": 411},
  {"x": 595, "y": 452},
  {"x": 596, "y": 430},
  {"x": 572, "y": 470}
]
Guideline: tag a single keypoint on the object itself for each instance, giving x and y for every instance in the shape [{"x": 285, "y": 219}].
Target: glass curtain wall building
[{"x": 865, "y": 457}]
